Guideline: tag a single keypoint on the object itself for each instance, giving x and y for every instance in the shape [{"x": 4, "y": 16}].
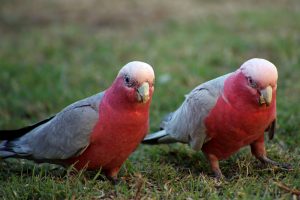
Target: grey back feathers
[
  {"x": 186, "y": 124},
  {"x": 62, "y": 137}
]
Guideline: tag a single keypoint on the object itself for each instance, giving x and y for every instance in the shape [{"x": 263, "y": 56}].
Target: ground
[{"x": 53, "y": 53}]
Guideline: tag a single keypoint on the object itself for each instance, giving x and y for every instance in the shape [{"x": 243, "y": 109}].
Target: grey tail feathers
[
  {"x": 5, "y": 150},
  {"x": 6, "y": 146},
  {"x": 165, "y": 120},
  {"x": 13, "y": 134},
  {"x": 6, "y": 154},
  {"x": 160, "y": 137}
]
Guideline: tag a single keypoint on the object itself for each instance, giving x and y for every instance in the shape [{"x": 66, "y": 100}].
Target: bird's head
[
  {"x": 259, "y": 80},
  {"x": 136, "y": 81}
]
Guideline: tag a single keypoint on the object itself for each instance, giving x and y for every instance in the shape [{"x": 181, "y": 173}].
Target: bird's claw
[
  {"x": 285, "y": 166},
  {"x": 218, "y": 176}
]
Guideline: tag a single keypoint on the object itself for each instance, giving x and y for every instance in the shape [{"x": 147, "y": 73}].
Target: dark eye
[
  {"x": 251, "y": 82},
  {"x": 127, "y": 80}
]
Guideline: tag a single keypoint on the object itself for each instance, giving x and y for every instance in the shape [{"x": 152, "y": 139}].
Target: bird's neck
[
  {"x": 117, "y": 97},
  {"x": 239, "y": 96}
]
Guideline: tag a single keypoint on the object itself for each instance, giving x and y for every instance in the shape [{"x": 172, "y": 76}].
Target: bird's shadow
[
  {"x": 180, "y": 156},
  {"x": 187, "y": 161},
  {"x": 20, "y": 167}
]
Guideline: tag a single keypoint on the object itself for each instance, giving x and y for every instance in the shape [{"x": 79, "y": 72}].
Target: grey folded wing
[
  {"x": 186, "y": 124},
  {"x": 64, "y": 136}
]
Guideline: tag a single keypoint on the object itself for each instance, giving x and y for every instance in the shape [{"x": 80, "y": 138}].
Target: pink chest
[
  {"x": 231, "y": 128},
  {"x": 116, "y": 135}
]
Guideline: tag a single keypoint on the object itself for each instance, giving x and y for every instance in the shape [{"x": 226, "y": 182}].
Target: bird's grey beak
[
  {"x": 143, "y": 93},
  {"x": 266, "y": 96}
]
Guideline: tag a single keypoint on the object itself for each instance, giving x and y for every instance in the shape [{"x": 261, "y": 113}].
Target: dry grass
[{"x": 55, "y": 52}]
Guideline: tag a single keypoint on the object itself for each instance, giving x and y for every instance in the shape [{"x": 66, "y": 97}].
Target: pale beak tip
[
  {"x": 143, "y": 99},
  {"x": 143, "y": 93},
  {"x": 266, "y": 96}
]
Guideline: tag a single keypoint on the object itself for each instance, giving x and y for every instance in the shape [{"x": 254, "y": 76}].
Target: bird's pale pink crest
[
  {"x": 139, "y": 71},
  {"x": 261, "y": 71}
]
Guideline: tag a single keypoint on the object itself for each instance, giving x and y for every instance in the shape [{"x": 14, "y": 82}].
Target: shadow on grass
[
  {"x": 186, "y": 162},
  {"x": 20, "y": 167}
]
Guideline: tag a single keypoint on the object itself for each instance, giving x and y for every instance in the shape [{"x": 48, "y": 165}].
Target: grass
[{"x": 54, "y": 53}]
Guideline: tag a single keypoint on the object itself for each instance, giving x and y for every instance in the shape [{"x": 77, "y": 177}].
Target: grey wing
[
  {"x": 186, "y": 124},
  {"x": 64, "y": 136}
]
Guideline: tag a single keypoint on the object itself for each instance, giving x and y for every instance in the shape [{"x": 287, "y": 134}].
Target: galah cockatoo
[
  {"x": 225, "y": 114},
  {"x": 98, "y": 132}
]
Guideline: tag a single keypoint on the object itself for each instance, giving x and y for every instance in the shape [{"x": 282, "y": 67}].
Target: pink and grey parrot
[
  {"x": 98, "y": 132},
  {"x": 225, "y": 114}
]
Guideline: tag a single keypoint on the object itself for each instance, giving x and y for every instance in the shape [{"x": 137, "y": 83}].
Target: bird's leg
[
  {"x": 259, "y": 151},
  {"x": 113, "y": 179},
  {"x": 214, "y": 164},
  {"x": 111, "y": 175}
]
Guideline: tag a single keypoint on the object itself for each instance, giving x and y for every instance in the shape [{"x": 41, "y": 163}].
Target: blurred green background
[{"x": 53, "y": 53}]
